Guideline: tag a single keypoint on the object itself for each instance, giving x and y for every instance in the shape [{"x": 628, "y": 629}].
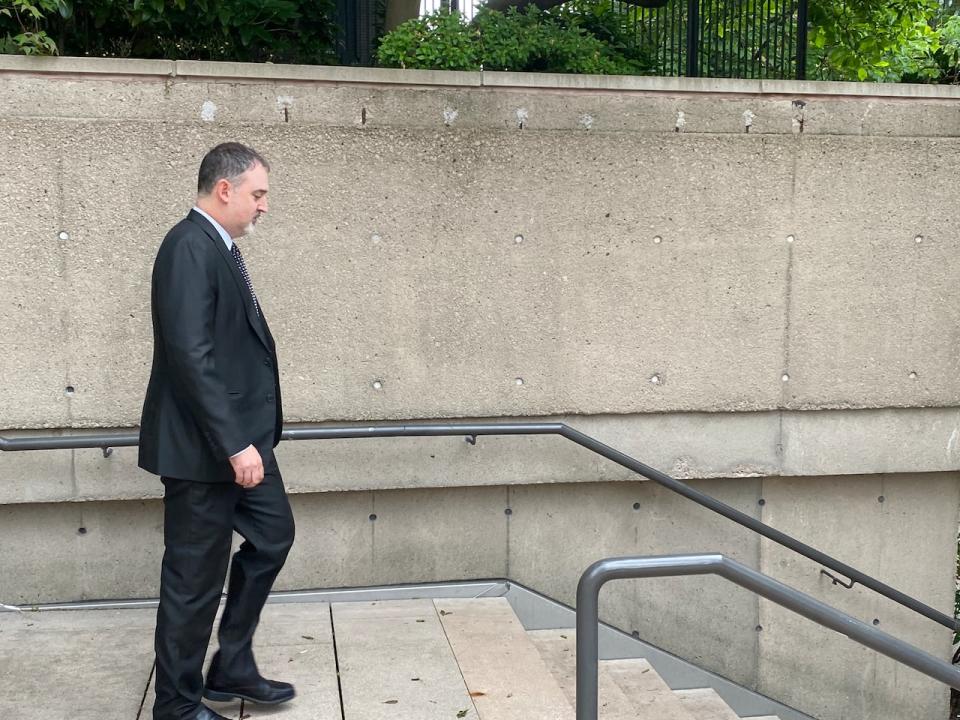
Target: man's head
[{"x": 232, "y": 187}]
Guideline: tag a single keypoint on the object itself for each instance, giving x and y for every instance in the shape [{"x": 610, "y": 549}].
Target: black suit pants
[{"x": 198, "y": 526}]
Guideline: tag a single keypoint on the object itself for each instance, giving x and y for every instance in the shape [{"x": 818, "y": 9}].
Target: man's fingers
[
  {"x": 250, "y": 476},
  {"x": 248, "y": 467}
]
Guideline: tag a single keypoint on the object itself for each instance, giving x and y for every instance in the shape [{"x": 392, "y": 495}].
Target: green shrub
[
  {"x": 440, "y": 41},
  {"x": 533, "y": 40},
  {"x": 22, "y": 26}
]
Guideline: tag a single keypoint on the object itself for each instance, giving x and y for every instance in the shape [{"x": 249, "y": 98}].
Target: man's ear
[{"x": 222, "y": 190}]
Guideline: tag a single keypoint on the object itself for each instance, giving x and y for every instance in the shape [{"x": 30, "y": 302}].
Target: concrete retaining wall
[{"x": 750, "y": 285}]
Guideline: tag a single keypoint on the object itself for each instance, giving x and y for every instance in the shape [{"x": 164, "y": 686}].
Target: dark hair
[{"x": 227, "y": 161}]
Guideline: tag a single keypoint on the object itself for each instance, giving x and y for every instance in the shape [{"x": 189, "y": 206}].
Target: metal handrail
[
  {"x": 472, "y": 430},
  {"x": 594, "y": 577}
]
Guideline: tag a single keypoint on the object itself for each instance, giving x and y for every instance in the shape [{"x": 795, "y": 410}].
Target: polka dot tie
[{"x": 246, "y": 276}]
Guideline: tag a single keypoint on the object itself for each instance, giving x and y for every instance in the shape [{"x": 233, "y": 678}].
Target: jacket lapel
[{"x": 252, "y": 318}]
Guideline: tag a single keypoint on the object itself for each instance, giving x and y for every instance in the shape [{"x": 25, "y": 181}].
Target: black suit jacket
[{"x": 215, "y": 387}]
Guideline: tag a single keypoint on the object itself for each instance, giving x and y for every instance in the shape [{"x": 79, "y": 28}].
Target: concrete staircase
[
  {"x": 410, "y": 659},
  {"x": 454, "y": 658}
]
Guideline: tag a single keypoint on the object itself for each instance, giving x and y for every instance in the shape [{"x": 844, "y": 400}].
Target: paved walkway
[{"x": 442, "y": 659}]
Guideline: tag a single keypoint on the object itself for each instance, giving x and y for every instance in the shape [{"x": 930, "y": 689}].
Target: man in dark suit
[{"x": 211, "y": 419}]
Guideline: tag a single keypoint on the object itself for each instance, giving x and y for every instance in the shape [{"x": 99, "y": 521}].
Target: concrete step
[
  {"x": 504, "y": 673},
  {"x": 706, "y": 704},
  {"x": 558, "y": 650},
  {"x": 396, "y": 663},
  {"x": 650, "y": 695},
  {"x": 628, "y": 689}
]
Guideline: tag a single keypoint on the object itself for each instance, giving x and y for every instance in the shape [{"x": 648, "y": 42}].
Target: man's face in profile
[{"x": 247, "y": 200}]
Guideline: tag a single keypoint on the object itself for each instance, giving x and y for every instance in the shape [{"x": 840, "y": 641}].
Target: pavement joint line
[
  {"x": 146, "y": 689},
  {"x": 453, "y": 652},
  {"x": 336, "y": 661}
]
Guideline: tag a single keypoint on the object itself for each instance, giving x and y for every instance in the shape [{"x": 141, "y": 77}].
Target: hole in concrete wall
[
  {"x": 918, "y": 239},
  {"x": 913, "y": 376},
  {"x": 876, "y": 621},
  {"x": 635, "y": 633},
  {"x": 636, "y": 506},
  {"x": 373, "y": 516},
  {"x": 64, "y": 235},
  {"x": 377, "y": 385},
  {"x": 790, "y": 238},
  {"x": 761, "y": 502},
  {"x": 68, "y": 390},
  {"x": 508, "y": 511},
  {"x": 759, "y": 628},
  {"x": 785, "y": 377},
  {"x": 657, "y": 240},
  {"x": 518, "y": 239},
  {"x": 881, "y": 499},
  {"x": 519, "y": 381},
  {"x": 82, "y": 530}
]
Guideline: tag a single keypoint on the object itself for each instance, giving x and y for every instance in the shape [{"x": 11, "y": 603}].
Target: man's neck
[{"x": 212, "y": 210}]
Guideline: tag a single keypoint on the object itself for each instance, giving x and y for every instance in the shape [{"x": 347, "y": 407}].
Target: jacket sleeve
[{"x": 185, "y": 293}]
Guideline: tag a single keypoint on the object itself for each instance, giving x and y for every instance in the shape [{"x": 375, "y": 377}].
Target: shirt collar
[{"x": 219, "y": 228}]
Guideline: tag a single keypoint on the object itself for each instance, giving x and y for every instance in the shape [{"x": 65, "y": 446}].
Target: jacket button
[{"x": 270, "y": 398}]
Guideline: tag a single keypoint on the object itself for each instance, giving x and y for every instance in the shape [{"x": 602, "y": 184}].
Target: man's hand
[{"x": 248, "y": 466}]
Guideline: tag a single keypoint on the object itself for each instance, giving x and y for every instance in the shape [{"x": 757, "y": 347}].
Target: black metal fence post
[
  {"x": 802, "y": 39},
  {"x": 693, "y": 38}
]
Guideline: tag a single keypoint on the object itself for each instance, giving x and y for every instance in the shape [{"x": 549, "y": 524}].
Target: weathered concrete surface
[
  {"x": 872, "y": 285},
  {"x": 908, "y": 541},
  {"x": 552, "y": 533},
  {"x": 558, "y": 650},
  {"x": 501, "y": 667},
  {"x": 88, "y": 665},
  {"x": 600, "y": 521},
  {"x": 390, "y": 253},
  {"x": 295, "y": 644},
  {"x": 97, "y": 550},
  {"x": 499, "y": 246},
  {"x": 395, "y": 662}
]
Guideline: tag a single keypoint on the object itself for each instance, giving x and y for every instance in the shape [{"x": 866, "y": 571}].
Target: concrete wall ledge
[
  {"x": 545, "y": 81},
  {"x": 688, "y": 446}
]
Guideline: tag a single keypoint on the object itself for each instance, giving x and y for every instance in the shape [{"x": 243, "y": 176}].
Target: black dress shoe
[
  {"x": 258, "y": 690},
  {"x": 205, "y": 713}
]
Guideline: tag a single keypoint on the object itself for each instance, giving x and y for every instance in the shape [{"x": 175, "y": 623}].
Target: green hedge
[{"x": 577, "y": 38}]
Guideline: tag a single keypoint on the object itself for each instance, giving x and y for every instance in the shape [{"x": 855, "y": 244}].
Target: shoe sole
[{"x": 218, "y": 696}]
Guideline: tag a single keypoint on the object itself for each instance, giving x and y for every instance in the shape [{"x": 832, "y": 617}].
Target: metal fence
[
  {"x": 467, "y": 8},
  {"x": 704, "y": 38},
  {"x": 723, "y": 38}
]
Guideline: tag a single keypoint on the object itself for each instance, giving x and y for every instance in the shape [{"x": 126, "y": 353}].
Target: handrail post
[{"x": 588, "y": 641}]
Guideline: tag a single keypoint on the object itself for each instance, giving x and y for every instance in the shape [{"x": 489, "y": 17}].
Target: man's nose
[{"x": 262, "y": 206}]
